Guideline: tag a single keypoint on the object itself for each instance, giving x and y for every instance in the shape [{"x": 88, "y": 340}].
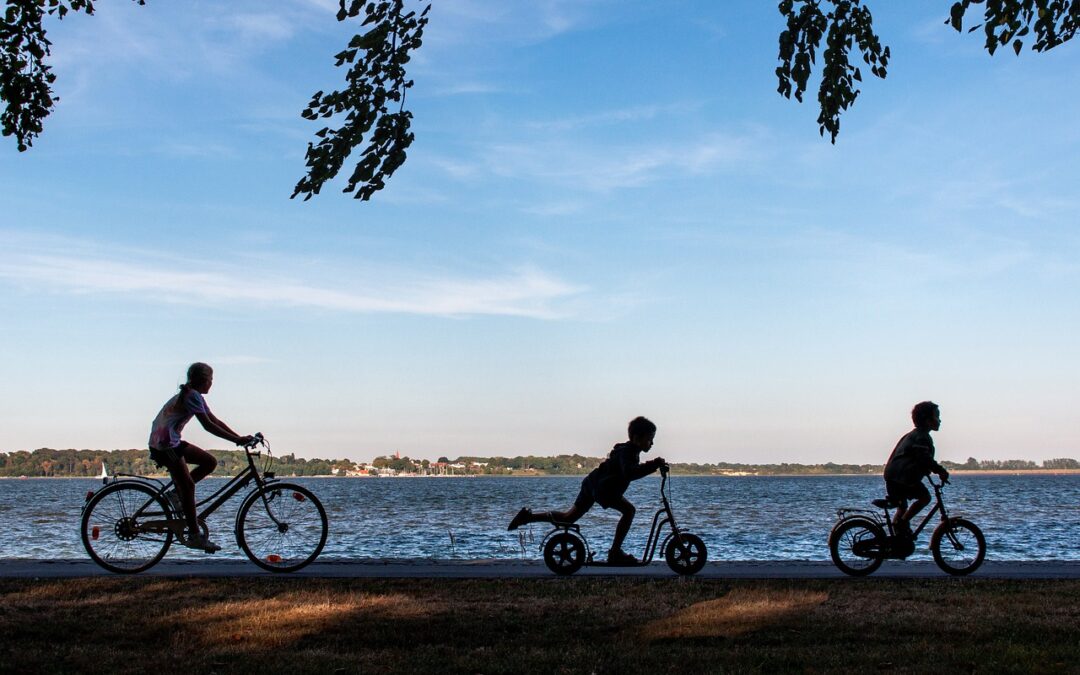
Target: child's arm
[
  {"x": 636, "y": 470},
  {"x": 217, "y": 428}
]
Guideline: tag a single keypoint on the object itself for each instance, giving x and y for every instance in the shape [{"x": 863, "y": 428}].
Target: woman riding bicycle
[{"x": 169, "y": 451}]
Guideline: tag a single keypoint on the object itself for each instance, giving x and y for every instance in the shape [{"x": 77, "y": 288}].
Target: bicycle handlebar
[{"x": 257, "y": 439}]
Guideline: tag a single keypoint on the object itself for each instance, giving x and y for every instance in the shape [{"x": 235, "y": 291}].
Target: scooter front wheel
[
  {"x": 686, "y": 554},
  {"x": 564, "y": 553}
]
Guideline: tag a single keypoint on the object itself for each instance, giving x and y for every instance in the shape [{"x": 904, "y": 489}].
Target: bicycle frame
[
  {"x": 939, "y": 505},
  {"x": 216, "y": 500}
]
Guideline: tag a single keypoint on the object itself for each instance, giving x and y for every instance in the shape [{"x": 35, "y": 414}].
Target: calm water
[{"x": 740, "y": 518}]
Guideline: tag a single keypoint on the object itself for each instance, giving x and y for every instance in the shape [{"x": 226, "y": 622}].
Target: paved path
[{"x": 516, "y": 569}]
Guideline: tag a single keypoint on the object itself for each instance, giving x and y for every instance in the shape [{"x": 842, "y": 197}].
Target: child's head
[
  {"x": 200, "y": 377},
  {"x": 641, "y": 432},
  {"x": 926, "y": 415}
]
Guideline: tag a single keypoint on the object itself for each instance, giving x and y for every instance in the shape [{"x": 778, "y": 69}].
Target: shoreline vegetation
[
  {"x": 580, "y": 625},
  {"x": 70, "y": 463}
]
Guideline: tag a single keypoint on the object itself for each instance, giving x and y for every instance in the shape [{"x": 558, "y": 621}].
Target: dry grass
[{"x": 577, "y": 625}]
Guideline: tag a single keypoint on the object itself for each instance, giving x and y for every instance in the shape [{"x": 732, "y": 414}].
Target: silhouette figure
[
  {"x": 169, "y": 451},
  {"x": 912, "y": 460},
  {"x": 606, "y": 485}
]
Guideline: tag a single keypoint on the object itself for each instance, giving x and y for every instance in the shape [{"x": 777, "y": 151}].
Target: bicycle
[
  {"x": 129, "y": 525},
  {"x": 862, "y": 539},
  {"x": 566, "y": 550}
]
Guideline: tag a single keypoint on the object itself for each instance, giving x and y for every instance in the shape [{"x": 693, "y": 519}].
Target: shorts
[
  {"x": 168, "y": 457},
  {"x": 589, "y": 495},
  {"x": 901, "y": 492}
]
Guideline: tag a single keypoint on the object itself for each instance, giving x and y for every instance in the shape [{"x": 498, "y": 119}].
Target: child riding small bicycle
[
  {"x": 168, "y": 450},
  {"x": 605, "y": 485},
  {"x": 912, "y": 460}
]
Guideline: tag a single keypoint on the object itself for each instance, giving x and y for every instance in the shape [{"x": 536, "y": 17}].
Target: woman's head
[{"x": 200, "y": 377}]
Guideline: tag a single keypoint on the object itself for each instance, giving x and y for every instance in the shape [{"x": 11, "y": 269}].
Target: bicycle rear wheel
[
  {"x": 114, "y": 527},
  {"x": 857, "y": 546},
  {"x": 284, "y": 532},
  {"x": 958, "y": 546}
]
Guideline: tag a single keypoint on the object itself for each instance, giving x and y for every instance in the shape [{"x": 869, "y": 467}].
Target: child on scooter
[
  {"x": 169, "y": 451},
  {"x": 605, "y": 485},
  {"x": 912, "y": 460}
]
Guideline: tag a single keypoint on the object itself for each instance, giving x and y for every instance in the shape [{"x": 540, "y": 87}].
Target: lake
[{"x": 1024, "y": 517}]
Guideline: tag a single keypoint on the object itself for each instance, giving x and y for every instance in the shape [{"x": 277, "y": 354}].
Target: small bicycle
[
  {"x": 862, "y": 539},
  {"x": 128, "y": 525},
  {"x": 566, "y": 550}
]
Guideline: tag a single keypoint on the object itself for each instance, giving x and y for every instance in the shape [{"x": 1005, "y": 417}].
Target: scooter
[{"x": 566, "y": 550}]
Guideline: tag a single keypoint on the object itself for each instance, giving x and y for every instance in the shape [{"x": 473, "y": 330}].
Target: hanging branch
[
  {"x": 848, "y": 25},
  {"x": 373, "y": 101},
  {"x": 25, "y": 79},
  {"x": 1054, "y": 21}
]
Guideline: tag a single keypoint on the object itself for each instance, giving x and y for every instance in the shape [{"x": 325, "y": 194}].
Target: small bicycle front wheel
[
  {"x": 564, "y": 553},
  {"x": 125, "y": 527},
  {"x": 686, "y": 554},
  {"x": 282, "y": 528},
  {"x": 857, "y": 546},
  {"x": 958, "y": 546}
]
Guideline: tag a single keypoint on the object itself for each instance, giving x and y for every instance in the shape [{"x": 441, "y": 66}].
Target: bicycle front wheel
[
  {"x": 282, "y": 528},
  {"x": 125, "y": 527},
  {"x": 958, "y": 546}
]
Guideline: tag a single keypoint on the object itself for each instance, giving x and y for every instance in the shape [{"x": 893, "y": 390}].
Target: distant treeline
[{"x": 76, "y": 463}]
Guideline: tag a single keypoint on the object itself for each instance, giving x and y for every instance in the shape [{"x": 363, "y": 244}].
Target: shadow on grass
[{"x": 579, "y": 625}]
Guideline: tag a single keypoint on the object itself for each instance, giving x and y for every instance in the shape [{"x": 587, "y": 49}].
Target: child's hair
[
  {"x": 639, "y": 426},
  {"x": 195, "y": 371},
  {"x": 922, "y": 412}
]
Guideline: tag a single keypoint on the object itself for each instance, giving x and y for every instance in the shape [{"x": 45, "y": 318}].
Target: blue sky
[{"x": 608, "y": 211}]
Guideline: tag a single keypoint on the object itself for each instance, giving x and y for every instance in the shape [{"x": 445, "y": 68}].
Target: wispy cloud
[
  {"x": 78, "y": 268},
  {"x": 598, "y": 167},
  {"x": 610, "y": 117}
]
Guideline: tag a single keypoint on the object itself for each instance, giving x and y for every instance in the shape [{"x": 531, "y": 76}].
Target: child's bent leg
[{"x": 204, "y": 461}]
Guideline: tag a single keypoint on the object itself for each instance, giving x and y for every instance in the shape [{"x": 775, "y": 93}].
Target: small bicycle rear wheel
[
  {"x": 564, "y": 553},
  {"x": 114, "y": 529},
  {"x": 284, "y": 532},
  {"x": 686, "y": 554},
  {"x": 958, "y": 546},
  {"x": 857, "y": 546}
]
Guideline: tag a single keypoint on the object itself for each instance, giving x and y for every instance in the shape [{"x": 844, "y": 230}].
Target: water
[{"x": 1026, "y": 517}]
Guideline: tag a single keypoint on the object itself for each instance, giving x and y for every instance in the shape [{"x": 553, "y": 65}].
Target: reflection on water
[{"x": 744, "y": 518}]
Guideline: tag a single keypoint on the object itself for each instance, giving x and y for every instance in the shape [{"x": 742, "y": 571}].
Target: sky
[{"x": 608, "y": 211}]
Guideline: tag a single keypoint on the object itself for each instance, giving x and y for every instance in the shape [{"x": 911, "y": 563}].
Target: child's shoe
[
  {"x": 621, "y": 558},
  {"x": 201, "y": 542},
  {"x": 520, "y": 519}
]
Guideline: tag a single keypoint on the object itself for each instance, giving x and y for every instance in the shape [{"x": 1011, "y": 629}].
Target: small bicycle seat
[{"x": 884, "y": 503}]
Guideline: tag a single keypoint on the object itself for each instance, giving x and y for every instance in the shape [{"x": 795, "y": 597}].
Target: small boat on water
[{"x": 104, "y": 471}]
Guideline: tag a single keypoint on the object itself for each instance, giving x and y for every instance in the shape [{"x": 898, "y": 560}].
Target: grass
[{"x": 577, "y": 625}]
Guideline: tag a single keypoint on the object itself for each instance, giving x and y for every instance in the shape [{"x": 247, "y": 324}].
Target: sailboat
[{"x": 104, "y": 471}]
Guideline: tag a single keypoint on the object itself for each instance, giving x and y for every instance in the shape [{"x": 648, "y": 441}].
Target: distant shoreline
[{"x": 957, "y": 472}]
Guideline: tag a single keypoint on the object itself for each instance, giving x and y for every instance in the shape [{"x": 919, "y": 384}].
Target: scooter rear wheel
[
  {"x": 686, "y": 554},
  {"x": 564, "y": 553}
]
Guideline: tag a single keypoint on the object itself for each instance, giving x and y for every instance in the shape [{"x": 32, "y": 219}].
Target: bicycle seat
[{"x": 884, "y": 503}]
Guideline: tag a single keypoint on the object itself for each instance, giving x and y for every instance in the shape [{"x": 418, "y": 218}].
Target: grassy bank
[{"x": 579, "y": 625}]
